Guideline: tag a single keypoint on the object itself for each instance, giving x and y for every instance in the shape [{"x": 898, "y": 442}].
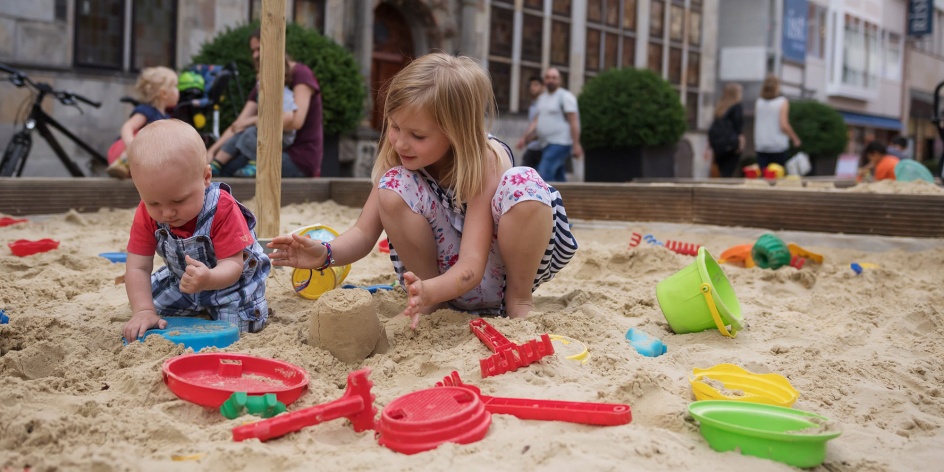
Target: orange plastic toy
[{"x": 740, "y": 254}]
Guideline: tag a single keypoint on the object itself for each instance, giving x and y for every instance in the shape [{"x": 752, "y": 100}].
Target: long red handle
[
  {"x": 288, "y": 422},
  {"x": 602, "y": 414}
]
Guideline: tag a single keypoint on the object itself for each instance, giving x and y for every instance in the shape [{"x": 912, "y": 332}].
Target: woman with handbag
[{"x": 726, "y": 135}]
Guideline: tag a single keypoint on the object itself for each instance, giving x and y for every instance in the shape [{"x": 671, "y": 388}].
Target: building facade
[
  {"x": 924, "y": 73},
  {"x": 97, "y": 47},
  {"x": 849, "y": 54}
]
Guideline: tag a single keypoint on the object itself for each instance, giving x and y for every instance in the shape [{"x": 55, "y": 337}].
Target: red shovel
[
  {"x": 357, "y": 405},
  {"x": 601, "y": 414}
]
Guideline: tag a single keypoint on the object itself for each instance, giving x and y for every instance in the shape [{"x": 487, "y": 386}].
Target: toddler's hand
[
  {"x": 141, "y": 322},
  {"x": 195, "y": 277},
  {"x": 297, "y": 251},
  {"x": 416, "y": 298}
]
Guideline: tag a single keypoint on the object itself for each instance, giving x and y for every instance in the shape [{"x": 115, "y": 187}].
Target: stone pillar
[{"x": 469, "y": 44}]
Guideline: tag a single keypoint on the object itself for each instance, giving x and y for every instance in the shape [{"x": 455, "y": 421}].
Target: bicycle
[{"x": 18, "y": 149}]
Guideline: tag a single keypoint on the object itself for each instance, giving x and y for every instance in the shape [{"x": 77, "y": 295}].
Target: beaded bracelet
[{"x": 328, "y": 259}]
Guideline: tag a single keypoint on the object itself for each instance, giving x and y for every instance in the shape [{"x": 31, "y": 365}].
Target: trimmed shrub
[
  {"x": 821, "y": 129},
  {"x": 629, "y": 107},
  {"x": 342, "y": 87}
]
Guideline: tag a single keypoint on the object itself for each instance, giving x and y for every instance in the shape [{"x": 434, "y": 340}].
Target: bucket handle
[{"x": 706, "y": 291}]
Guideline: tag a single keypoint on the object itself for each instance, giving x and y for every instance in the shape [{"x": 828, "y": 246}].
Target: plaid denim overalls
[{"x": 243, "y": 303}]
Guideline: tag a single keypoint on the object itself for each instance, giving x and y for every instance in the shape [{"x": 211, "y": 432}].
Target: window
[
  {"x": 99, "y": 33},
  {"x": 310, "y": 14},
  {"x": 874, "y": 38},
  {"x": 673, "y": 49},
  {"x": 853, "y": 53},
  {"x": 560, "y": 43},
  {"x": 501, "y": 38},
  {"x": 502, "y": 33},
  {"x": 511, "y": 64},
  {"x": 154, "y": 34},
  {"x": 694, "y": 29},
  {"x": 816, "y": 32},
  {"x": 656, "y": 18},
  {"x": 676, "y": 22},
  {"x": 101, "y": 42},
  {"x": 611, "y": 33},
  {"x": 862, "y": 53},
  {"x": 893, "y": 57}
]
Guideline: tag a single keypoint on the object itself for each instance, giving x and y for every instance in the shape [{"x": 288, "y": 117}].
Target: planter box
[{"x": 613, "y": 164}]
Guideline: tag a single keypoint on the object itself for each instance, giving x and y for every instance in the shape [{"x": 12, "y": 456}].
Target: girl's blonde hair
[
  {"x": 152, "y": 80},
  {"x": 730, "y": 97},
  {"x": 771, "y": 87},
  {"x": 457, "y": 94}
]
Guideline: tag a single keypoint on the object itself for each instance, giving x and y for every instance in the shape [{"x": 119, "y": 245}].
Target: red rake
[
  {"x": 683, "y": 248},
  {"x": 600, "y": 414},
  {"x": 634, "y": 240},
  {"x": 356, "y": 405},
  {"x": 508, "y": 355}
]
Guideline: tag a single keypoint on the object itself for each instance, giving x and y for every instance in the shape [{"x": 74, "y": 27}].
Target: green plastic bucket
[{"x": 699, "y": 297}]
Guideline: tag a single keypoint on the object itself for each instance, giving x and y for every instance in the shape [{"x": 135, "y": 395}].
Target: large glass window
[
  {"x": 854, "y": 54},
  {"x": 310, "y": 14},
  {"x": 673, "y": 49},
  {"x": 101, "y": 42},
  {"x": 816, "y": 32},
  {"x": 501, "y": 36},
  {"x": 893, "y": 57},
  {"x": 99, "y": 33},
  {"x": 154, "y": 33},
  {"x": 611, "y": 35}
]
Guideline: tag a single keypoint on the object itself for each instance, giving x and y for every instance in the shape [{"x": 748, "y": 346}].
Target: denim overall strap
[{"x": 198, "y": 246}]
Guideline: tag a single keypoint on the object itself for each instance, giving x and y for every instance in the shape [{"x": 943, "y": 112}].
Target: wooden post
[{"x": 269, "y": 143}]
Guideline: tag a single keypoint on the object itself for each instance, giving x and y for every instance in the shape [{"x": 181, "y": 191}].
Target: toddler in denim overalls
[{"x": 213, "y": 262}]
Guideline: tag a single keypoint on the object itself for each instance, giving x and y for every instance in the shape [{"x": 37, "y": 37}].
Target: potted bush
[
  {"x": 342, "y": 87},
  {"x": 630, "y": 121},
  {"x": 822, "y": 132}
]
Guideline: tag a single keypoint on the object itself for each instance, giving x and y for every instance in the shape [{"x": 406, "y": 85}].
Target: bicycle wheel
[{"x": 15, "y": 155}]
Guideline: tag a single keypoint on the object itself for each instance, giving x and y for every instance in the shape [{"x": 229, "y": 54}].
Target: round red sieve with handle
[{"x": 422, "y": 420}]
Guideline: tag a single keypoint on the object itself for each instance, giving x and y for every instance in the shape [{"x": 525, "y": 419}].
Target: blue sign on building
[
  {"x": 920, "y": 17},
  {"x": 794, "y": 30}
]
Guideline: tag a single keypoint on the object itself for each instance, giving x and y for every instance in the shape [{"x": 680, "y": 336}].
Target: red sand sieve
[{"x": 424, "y": 419}]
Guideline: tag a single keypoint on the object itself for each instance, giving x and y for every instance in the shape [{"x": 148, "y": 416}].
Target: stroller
[{"x": 203, "y": 87}]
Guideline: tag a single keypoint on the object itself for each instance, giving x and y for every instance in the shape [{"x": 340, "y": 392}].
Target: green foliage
[
  {"x": 821, "y": 129},
  {"x": 629, "y": 108},
  {"x": 342, "y": 86}
]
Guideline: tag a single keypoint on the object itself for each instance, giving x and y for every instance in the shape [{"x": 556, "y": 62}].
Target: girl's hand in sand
[
  {"x": 141, "y": 322},
  {"x": 416, "y": 300},
  {"x": 196, "y": 276},
  {"x": 297, "y": 251}
]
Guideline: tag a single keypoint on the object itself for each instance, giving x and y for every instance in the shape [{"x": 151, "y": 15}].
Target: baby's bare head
[{"x": 167, "y": 144}]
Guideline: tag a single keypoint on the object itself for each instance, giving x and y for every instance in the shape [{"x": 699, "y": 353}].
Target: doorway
[{"x": 393, "y": 50}]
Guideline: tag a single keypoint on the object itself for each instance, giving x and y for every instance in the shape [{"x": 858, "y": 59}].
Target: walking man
[{"x": 556, "y": 127}]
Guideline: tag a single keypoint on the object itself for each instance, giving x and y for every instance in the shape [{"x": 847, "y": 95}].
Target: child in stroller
[{"x": 203, "y": 87}]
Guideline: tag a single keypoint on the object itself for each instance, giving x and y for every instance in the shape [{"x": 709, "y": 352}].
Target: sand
[{"x": 864, "y": 351}]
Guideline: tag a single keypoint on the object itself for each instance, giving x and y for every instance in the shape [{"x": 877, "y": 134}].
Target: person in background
[
  {"x": 303, "y": 157},
  {"x": 532, "y": 155},
  {"x": 772, "y": 130},
  {"x": 726, "y": 135},
  {"x": 877, "y": 163},
  {"x": 557, "y": 128},
  {"x": 157, "y": 91},
  {"x": 899, "y": 147}
]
